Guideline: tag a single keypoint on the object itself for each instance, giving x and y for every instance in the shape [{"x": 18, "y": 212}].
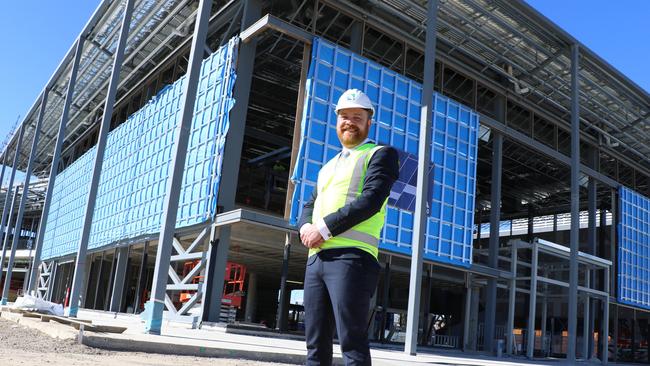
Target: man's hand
[{"x": 310, "y": 236}]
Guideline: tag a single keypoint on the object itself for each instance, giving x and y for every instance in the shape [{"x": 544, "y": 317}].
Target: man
[{"x": 341, "y": 226}]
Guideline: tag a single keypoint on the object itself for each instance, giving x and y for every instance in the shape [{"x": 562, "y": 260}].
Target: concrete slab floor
[{"x": 214, "y": 341}]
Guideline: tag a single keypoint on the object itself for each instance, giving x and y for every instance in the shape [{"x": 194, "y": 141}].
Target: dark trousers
[{"x": 338, "y": 286}]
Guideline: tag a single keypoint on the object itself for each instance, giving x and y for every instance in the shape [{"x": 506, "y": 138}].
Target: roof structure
[{"x": 505, "y": 45}]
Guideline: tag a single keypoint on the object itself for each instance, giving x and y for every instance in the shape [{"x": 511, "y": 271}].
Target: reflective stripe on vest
[{"x": 338, "y": 185}]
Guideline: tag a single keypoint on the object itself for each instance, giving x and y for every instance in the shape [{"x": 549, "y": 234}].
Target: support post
[
  {"x": 80, "y": 267},
  {"x": 575, "y": 204},
  {"x": 23, "y": 199},
  {"x": 493, "y": 249},
  {"x": 385, "y": 299},
  {"x": 530, "y": 333},
  {"x": 421, "y": 203},
  {"x": 512, "y": 298},
  {"x": 232, "y": 157},
  {"x": 592, "y": 240},
  {"x": 8, "y": 211},
  {"x": 141, "y": 277},
  {"x": 54, "y": 169},
  {"x": 251, "y": 298},
  {"x": 153, "y": 322},
  {"x": 5, "y": 242},
  {"x": 605, "y": 322},
  {"x": 544, "y": 319},
  {"x": 586, "y": 335},
  {"x": 99, "y": 279},
  {"x": 283, "y": 306},
  {"x": 468, "y": 304},
  {"x": 118, "y": 281}
]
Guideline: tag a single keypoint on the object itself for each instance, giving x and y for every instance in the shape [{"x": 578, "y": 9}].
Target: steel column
[
  {"x": 153, "y": 322},
  {"x": 421, "y": 203},
  {"x": 544, "y": 318},
  {"x": 283, "y": 306},
  {"x": 8, "y": 211},
  {"x": 604, "y": 336},
  {"x": 99, "y": 279},
  {"x": 575, "y": 203},
  {"x": 118, "y": 281},
  {"x": 468, "y": 304},
  {"x": 385, "y": 299},
  {"x": 141, "y": 277},
  {"x": 251, "y": 298},
  {"x": 23, "y": 199},
  {"x": 530, "y": 332},
  {"x": 8, "y": 232},
  {"x": 232, "y": 156},
  {"x": 586, "y": 335},
  {"x": 80, "y": 267},
  {"x": 512, "y": 298},
  {"x": 54, "y": 169},
  {"x": 592, "y": 239},
  {"x": 495, "y": 216}
]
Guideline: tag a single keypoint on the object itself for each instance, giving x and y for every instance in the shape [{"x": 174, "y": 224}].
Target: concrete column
[
  {"x": 54, "y": 169},
  {"x": 251, "y": 298},
  {"x": 119, "y": 279},
  {"x": 495, "y": 217},
  {"x": 421, "y": 203},
  {"x": 80, "y": 267},
  {"x": 575, "y": 203},
  {"x": 232, "y": 156}
]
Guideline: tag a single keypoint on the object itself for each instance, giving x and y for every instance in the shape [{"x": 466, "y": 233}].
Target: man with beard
[{"x": 341, "y": 225}]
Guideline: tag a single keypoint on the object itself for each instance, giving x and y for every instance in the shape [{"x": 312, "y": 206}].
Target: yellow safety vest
[{"x": 339, "y": 183}]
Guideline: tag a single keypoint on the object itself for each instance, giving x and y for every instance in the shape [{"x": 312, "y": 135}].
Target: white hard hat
[{"x": 355, "y": 98}]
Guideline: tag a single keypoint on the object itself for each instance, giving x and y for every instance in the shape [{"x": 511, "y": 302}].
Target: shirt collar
[{"x": 347, "y": 150}]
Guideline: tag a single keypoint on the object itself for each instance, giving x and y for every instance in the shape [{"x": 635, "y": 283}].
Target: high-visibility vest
[{"x": 340, "y": 181}]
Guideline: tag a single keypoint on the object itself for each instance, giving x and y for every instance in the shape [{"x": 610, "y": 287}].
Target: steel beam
[
  {"x": 80, "y": 266},
  {"x": 8, "y": 211},
  {"x": 23, "y": 199},
  {"x": 495, "y": 217},
  {"x": 153, "y": 321},
  {"x": 232, "y": 156},
  {"x": 54, "y": 169},
  {"x": 575, "y": 204},
  {"x": 421, "y": 203}
]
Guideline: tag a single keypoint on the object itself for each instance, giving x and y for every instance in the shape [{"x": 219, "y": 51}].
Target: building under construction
[{"x": 536, "y": 234}]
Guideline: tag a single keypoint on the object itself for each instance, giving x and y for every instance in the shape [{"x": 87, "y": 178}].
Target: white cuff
[
  {"x": 302, "y": 227},
  {"x": 322, "y": 228}
]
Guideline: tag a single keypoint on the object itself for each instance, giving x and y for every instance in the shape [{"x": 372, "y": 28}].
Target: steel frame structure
[{"x": 488, "y": 52}]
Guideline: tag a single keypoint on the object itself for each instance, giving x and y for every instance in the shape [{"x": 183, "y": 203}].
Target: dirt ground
[{"x": 23, "y": 346}]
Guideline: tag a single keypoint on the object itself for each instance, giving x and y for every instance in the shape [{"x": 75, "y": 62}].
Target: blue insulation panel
[
  {"x": 137, "y": 160},
  {"x": 397, "y": 122},
  {"x": 633, "y": 248}
]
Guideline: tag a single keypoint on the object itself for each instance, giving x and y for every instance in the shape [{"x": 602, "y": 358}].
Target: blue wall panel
[
  {"x": 134, "y": 175},
  {"x": 397, "y": 122},
  {"x": 633, "y": 248}
]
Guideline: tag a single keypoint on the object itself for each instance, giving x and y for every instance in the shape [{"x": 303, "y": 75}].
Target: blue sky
[{"x": 35, "y": 35}]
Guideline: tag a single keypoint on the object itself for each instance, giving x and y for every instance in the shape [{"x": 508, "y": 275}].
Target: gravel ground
[{"x": 24, "y": 346}]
